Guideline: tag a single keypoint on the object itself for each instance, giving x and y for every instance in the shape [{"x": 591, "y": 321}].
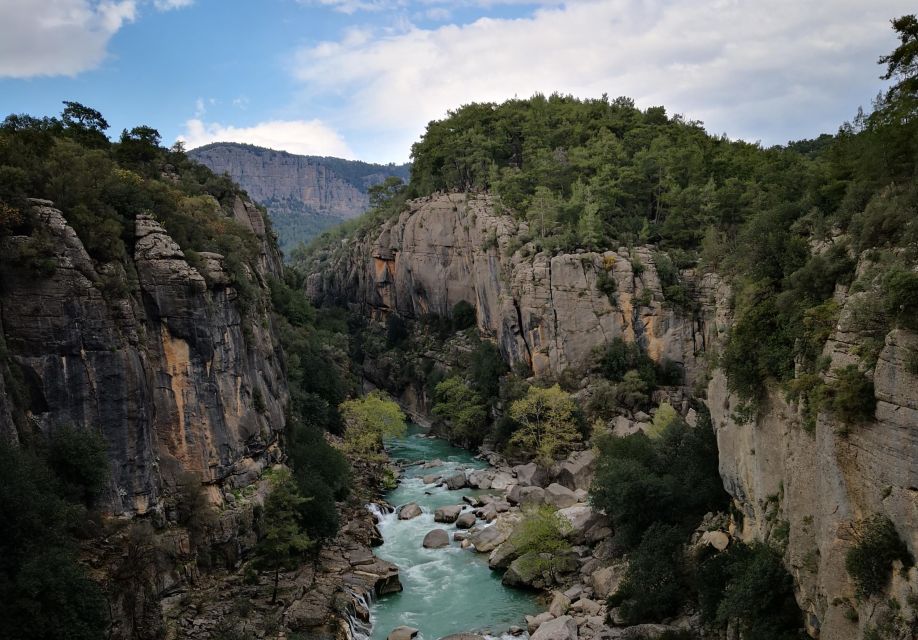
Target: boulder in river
[
  {"x": 463, "y": 636},
  {"x": 436, "y": 539},
  {"x": 402, "y": 633},
  {"x": 502, "y": 480},
  {"x": 456, "y": 481},
  {"x": 466, "y": 520},
  {"x": 563, "y": 628},
  {"x": 409, "y": 511},
  {"x": 431, "y": 479},
  {"x": 448, "y": 513}
]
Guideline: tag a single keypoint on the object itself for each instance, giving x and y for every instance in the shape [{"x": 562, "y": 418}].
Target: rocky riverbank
[{"x": 490, "y": 505}]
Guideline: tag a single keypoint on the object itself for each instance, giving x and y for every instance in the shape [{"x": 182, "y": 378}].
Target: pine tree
[{"x": 283, "y": 541}]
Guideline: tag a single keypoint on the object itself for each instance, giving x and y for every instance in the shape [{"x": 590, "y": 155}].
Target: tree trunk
[{"x": 276, "y": 579}]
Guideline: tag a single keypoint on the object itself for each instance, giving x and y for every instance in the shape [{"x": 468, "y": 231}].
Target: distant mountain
[{"x": 304, "y": 195}]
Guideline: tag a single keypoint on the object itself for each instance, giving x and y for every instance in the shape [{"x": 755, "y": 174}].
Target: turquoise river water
[{"x": 446, "y": 590}]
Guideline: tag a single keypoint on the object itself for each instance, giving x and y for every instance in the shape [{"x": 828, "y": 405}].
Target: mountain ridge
[{"x": 304, "y": 195}]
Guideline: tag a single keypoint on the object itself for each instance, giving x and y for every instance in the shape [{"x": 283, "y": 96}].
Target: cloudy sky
[{"x": 361, "y": 78}]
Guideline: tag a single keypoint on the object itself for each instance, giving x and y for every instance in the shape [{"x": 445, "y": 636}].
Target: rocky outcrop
[
  {"x": 544, "y": 310},
  {"x": 812, "y": 488},
  {"x": 170, "y": 372}
]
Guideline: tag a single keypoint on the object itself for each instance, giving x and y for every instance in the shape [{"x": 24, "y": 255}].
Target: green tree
[
  {"x": 84, "y": 124},
  {"x": 457, "y": 404},
  {"x": 283, "y": 542},
  {"x": 80, "y": 459},
  {"x": 368, "y": 420},
  {"x": 548, "y": 423}
]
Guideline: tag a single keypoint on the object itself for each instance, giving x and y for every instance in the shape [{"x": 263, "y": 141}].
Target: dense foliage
[
  {"x": 548, "y": 423},
  {"x": 670, "y": 479},
  {"x": 368, "y": 420},
  {"x": 101, "y": 186},
  {"x": 45, "y": 592},
  {"x": 870, "y": 560}
]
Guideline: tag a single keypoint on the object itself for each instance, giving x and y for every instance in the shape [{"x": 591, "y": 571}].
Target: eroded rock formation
[{"x": 169, "y": 371}]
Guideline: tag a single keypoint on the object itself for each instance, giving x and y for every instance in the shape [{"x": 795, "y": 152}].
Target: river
[{"x": 446, "y": 590}]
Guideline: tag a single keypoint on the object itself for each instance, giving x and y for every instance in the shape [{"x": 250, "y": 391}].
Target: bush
[
  {"x": 749, "y": 587},
  {"x": 193, "y": 508},
  {"x": 463, "y": 315},
  {"x": 485, "y": 369},
  {"x": 869, "y": 562},
  {"x": 900, "y": 297},
  {"x": 672, "y": 479},
  {"x": 541, "y": 531},
  {"x": 851, "y": 396},
  {"x": 368, "y": 420},
  {"x": 457, "y": 404},
  {"x": 653, "y": 587},
  {"x": 79, "y": 458},
  {"x": 548, "y": 423}
]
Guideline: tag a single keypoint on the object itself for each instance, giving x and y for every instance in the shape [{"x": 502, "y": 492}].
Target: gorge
[{"x": 590, "y": 373}]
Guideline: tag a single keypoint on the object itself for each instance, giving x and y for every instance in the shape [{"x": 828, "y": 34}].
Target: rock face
[
  {"x": 318, "y": 191},
  {"x": 171, "y": 374},
  {"x": 543, "y": 310},
  {"x": 818, "y": 485}
]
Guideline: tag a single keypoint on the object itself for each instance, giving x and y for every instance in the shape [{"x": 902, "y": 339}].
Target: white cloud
[
  {"x": 169, "y": 5},
  {"x": 770, "y": 70},
  {"x": 307, "y": 137},
  {"x": 58, "y": 37},
  {"x": 63, "y": 37}
]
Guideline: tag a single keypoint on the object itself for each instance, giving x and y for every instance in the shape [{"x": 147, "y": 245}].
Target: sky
[{"x": 360, "y": 79}]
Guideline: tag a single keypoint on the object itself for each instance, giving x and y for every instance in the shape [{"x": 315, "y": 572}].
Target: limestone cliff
[
  {"x": 303, "y": 194},
  {"x": 544, "y": 310},
  {"x": 167, "y": 368},
  {"x": 547, "y": 311}
]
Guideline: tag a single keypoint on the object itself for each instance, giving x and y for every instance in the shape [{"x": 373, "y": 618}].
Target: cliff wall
[
  {"x": 167, "y": 368},
  {"x": 805, "y": 491}
]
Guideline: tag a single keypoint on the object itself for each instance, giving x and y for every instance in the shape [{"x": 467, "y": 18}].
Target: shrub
[
  {"x": 396, "y": 331},
  {"x": 851, "y": 396},
  {"x": 748, "y": 586},
  {"x": 462, "y": 408},
  {"x": 606, "y": 284},
  {"x": 368, "y": 420},
  {"x": 548, "y": 423},
  {"x": 541, "y": 531},
  {"x": 672, "y": 479},
  {"x": 869, "y": 562},
  {"x": 79, "y": 457},
  {"x": 653, "y": 587},
  {"x": 463, "y": 315},
  {"x": 486, "y": 368},
  {"x": 900, "y": 297},
  {"x": 193, "y": 508}
]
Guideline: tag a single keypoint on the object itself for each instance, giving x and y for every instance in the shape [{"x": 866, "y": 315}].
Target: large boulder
[
  {"x": 502, "y": 480},
  {"x": 534, "y": 622},
  {"x": 403, "y": 633},
  {"x": 563, "y": 628},
  {"x": 559, "y": 496},
  {"x": 717, "y": 539},
  {"x": 530, "y": 475},
  {"x": 607, "y": 580},
  {"x": 521, "y": 495},
  {"x": 463, "y": 636},
  {"x": 503, "y": 555},
  {"x": 409, "y": 511},
  {"x": 560, "y": 603},
  {"x": 488, "y": 538},
  {"x": 448, "y": 513},
  {"x": 577, "y": 471},
  {"x": 466, "y": 520},
  {"x": 581, "y": 519},
  {"x": 481, "y": 478},
  {"x": 525, "y": 572},
  {"x": 457, "y": 481},
  {"x": 436, "y": 539}
]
